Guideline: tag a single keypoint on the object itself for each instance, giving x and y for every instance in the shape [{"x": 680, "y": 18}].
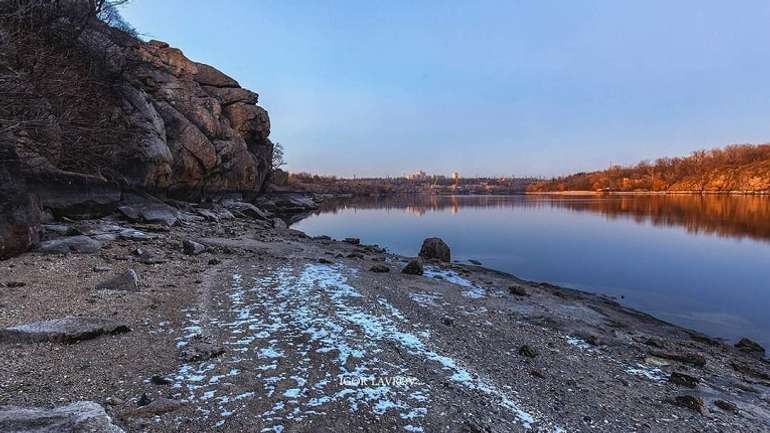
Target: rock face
[
  {"x": 67, "y": 330},
  {"x": 435, "y": 248},
  {"x": 79, "y": 417},
  {"x": 19, "y": 210},
  {"x": 166, "y": 124},
  {"x": 196, "y": 127}
]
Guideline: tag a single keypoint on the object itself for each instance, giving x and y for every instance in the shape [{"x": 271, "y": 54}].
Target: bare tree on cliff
[{"x": 278, "y": 160}]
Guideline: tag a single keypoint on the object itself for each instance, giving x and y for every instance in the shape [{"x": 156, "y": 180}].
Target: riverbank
[{"x": 239, "y": 324}]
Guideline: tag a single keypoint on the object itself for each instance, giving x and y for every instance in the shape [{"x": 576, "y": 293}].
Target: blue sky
[{"x": 486, "y": 87}]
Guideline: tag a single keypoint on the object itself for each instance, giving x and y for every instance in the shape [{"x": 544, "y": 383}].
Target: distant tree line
[{"x": 733, "y": 168}]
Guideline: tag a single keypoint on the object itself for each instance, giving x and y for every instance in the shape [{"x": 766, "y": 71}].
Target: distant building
[{"x": 418, "y": 175}]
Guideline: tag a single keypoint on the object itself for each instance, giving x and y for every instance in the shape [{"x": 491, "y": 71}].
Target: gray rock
[
  {"x": 72, "y": 244},
  {"x": 279, "y": 224},
  {"x": 66, "y": 330},
  {"x": 134, "y": 235},
  {"x": 151, "y": 214},
  {"x": 414, "y": 267},
  {"x": 79, "y": 417},
  {"x": 201, "y": 350},
  {"x": 150, "y": 257},
  {"x": 127, "y": 281},
  {"x": 751, "y": 347},
  {"x": 692, "y": 402},
  {"x": 683, "y": 379},
  {"x": 528, "y": 351},
  {"x": 379, "y": 269},
  {"x": 435, "y": 248},
  {"x": 353, "y": 241},
  {"x": 208, "y": 214},
  {"x": 158, "y": 406},
  {"x": 287, "y": 203},
  {"x": 192, "y": 248},
  {"x": 148, "y": 209},
  {"x": 62, "y": 229},
  {"x": 518, "y": 291},
  {"x": 695, "y": 359},
  {"x": 245, "y": 209},
  {"x": 726, "y": 406}
]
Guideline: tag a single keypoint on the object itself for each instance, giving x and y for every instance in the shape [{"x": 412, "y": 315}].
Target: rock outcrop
[
  {"x": 148, "y": 119},
  {"x": 195, "y": 128}
]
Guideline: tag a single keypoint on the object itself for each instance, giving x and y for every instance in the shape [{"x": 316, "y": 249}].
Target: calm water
[{"x": 700, "y": 262}]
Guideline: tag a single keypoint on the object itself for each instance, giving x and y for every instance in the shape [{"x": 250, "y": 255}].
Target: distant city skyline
[{"x": 486, "y": 88}]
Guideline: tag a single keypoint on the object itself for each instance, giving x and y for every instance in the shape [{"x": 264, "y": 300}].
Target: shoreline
[{"x": 460, "y": 330}]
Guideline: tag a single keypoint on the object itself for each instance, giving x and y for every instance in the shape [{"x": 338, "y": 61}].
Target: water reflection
[
  {"x": 699, "y": 261},
  {"x": 735, "y": 216}
]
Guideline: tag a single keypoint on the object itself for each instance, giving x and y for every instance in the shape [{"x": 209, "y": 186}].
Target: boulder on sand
[
  {"x": 127, "y": 281},
  {"x": 78, "y": 417},
  {"x": 435, "y": 248},
  {"x": 414, "y": 267}
]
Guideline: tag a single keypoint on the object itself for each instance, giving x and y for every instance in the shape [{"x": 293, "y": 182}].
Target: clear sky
[{"x": 485, "y": 87}]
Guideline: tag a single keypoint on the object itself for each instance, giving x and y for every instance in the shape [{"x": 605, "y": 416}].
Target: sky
[{"x": 497, "y": 88}]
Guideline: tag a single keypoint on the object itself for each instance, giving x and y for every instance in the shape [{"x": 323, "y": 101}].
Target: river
[{"x": 702, "y": 262}]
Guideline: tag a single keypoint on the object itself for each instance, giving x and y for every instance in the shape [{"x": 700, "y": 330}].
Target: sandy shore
[{"x": 267, "y": 330}]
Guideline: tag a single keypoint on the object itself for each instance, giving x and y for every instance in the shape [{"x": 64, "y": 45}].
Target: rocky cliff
[
  {"x": 131, "y": 113},
  {"x": 90, "y": 115}
]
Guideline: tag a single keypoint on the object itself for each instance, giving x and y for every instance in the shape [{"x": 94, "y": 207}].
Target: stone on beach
[
  {"x": 79, "y": 417},
  {"x": 158, "y": 406},
  {"x": 695, "y": 359},
  {"x": 279, "y": 224},
  {"x": 66, "y": 330},
  {"x": 692, "y": 402},
  {"x": 192, "y": 248},
  {"x": 414, "y": 267},
  {"x": 201, "y": 350},
  {"x": 751, "y": 347},
  {"x": 379, "y": 269},
  {"x": 127, "y": 281},
  {"x": 72, "y": 244},
  {"x": 683, "y": 379},
  {"x": 435, "y": 248}
]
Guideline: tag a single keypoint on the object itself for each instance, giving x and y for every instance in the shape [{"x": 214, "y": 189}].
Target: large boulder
[
  {"x": 435, "y": 248},
  {"x": 78, "y": 417},
  {"x": 19, "y": 209}
]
